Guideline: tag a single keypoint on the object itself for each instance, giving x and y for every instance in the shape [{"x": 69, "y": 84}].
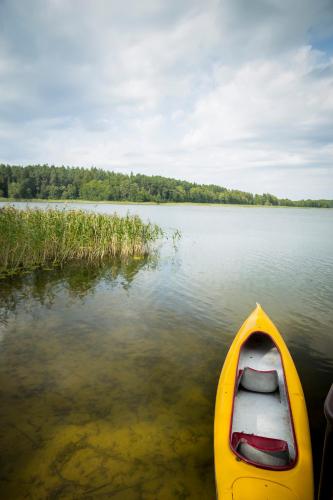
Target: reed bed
[{"x": 37, "y": 238}]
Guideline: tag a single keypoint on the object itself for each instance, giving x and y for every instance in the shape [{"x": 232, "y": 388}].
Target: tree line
[{"x": 71, "y": 183}]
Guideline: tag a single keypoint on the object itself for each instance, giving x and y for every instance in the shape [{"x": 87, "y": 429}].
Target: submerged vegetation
[
  {"x": 50, "y": 182},
  {"x": 35, "y": 238}
]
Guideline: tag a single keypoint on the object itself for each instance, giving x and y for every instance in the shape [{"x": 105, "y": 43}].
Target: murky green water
[{"x": 108, "y": 375}]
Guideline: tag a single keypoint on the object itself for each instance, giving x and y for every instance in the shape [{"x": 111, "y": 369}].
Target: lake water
[{"x": 108, "y": 375}]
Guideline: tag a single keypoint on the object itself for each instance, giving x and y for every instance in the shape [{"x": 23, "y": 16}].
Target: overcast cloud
[{"x": 231, "y": 92}]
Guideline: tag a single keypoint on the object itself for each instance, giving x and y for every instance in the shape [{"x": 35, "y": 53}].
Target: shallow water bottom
[
  {"x": 96, "y": 405},
  {"x": 90, "y": 426}
]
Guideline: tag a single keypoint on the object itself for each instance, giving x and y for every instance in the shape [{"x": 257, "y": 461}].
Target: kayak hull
[{"x": 236, "y": 478}]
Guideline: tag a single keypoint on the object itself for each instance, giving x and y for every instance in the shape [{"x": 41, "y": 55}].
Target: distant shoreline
[
  {"x": 173, "y": 203},
  {"x": 60, "y": 184}
]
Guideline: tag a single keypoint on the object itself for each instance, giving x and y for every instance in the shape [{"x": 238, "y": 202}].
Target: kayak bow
[{"x": 262, "y": 443}]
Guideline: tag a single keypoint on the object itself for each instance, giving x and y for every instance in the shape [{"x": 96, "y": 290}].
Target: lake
[{"x": 108, "y": 375}]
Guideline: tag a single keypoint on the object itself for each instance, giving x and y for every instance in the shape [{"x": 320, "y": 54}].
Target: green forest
[{"x": 72, "y": 183}]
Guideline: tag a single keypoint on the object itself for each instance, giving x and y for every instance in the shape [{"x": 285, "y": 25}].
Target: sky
[{"x": 232, "y": 92}]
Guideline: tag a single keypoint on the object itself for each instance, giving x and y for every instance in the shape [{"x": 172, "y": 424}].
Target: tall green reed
[{"x": 35, "y": 238}]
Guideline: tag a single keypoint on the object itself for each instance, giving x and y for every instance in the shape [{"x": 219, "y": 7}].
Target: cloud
[{"x": 231, "y": 92}]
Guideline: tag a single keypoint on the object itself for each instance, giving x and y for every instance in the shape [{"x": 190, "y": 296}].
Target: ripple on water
[{"x": 108, "y": 375}]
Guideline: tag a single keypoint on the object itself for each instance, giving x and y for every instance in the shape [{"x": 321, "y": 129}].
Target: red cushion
[{"x": 259, "y": 442}]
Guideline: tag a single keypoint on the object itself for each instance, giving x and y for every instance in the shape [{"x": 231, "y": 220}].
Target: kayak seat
[
  {"x": 261, "y": 450},
  {"x": 258, "y": 381}
]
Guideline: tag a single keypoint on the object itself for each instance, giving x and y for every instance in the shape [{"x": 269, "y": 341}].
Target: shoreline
[{"x": 171, "y": 203}]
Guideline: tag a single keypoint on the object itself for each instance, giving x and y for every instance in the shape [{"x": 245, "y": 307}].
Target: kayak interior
[{"x": 261, "y": 428}]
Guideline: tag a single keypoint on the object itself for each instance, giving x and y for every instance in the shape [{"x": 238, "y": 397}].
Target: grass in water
[{"x": 36, "y": 238}]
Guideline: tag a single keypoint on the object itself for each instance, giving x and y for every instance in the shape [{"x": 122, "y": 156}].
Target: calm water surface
[{"x": 108, "y": 375}]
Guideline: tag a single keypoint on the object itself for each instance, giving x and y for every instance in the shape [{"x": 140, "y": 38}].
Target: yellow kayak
[{"x": 262, "y": 443}]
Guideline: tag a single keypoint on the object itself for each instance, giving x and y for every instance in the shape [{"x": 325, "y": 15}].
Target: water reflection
[{"x": 78, "y": 278}]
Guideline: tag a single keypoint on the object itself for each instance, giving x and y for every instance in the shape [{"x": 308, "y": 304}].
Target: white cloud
[
  {"x": 216, "y": 91},
  {"x": 264, "y": 97}
]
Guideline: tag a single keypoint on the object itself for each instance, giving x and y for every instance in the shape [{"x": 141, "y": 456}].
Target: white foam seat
[{"x": 259, "y": 381}]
